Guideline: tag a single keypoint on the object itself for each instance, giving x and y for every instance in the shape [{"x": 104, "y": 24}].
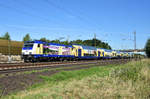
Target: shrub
[{"x": 147, "y": 48}]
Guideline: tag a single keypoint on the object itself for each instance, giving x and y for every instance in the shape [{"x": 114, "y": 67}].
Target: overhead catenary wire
[
  {"x": 83, "y": 19},
  {"x": 24, "y": 12},
  {"x": 50, "y": 3},
  {"x": 41, "y": 17},
  {"x": 29, "y": 6}
]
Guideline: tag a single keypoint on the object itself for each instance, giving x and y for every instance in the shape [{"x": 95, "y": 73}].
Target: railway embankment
[{"x": 130, "y": 80}]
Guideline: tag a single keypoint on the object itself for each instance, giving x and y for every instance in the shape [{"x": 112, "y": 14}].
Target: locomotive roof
[
  {"x": 107, "y": 50},
  {"x": 87, "y": 47},
  {"x": 41, "y": 42},
  {"x": 59, "y": 44}
]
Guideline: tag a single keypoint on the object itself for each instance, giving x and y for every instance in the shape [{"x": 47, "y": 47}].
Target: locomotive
[{"x": 34, "y": 51}]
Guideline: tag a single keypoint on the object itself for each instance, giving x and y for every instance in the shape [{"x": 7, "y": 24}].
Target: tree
[
  {"x": 27, "y": 38},
  {"x": 97, "y": 42},
  {"x": 55, "y": 41},
  {"x": 76, "y": 42},
  {"x": 6, "y": 36},
  {"x": 147, "y": 48},
  {"x": 65, "y": 42},
  {"x": 44, "y": 39},
  {"x": 89, "y": 42},
  {"x": 1, "y": 38}
]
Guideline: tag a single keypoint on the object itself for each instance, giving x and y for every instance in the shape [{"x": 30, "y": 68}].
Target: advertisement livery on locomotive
[{"x": 43, "y": 51}]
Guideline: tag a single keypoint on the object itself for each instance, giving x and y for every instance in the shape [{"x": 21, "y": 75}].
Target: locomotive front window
[
  {"x": 27, "y": 45},
  {"x": 38, "y": 45}
]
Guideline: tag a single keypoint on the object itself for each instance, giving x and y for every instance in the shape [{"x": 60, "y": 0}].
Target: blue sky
[{"x": 113, "y": 21}]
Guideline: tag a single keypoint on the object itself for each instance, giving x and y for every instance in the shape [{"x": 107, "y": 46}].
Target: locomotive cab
[
  {"x": 27, "y": 48},
  {"x": 30, "y": 49}
]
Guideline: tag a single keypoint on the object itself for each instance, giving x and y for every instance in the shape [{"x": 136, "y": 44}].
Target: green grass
[
  {"x": 128, "y": 81},
  {"x": 54, "y": 69},
  {"x": 79, "y": 74},
  {"x": 35, "y": 71},
  {"x": 69, "y": 75}
]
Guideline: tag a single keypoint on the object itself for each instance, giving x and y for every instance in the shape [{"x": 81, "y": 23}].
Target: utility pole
[
  {"x": 135, "y": 40},
  {"x": 95, "y": 39},
  {"x": 9, "y": 51},
  {"x": 68, "y": 38}
]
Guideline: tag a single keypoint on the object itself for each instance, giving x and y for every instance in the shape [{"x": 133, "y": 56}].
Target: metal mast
[
  {"x": 95, "y": 39},
  {"x": 135, "y": 40}
]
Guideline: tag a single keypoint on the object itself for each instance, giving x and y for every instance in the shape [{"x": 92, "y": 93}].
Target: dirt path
[{"x": 16, "y": 83}]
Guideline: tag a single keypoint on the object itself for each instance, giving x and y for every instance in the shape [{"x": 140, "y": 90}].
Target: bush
[
  {"x": 147, "y": 48},
  {"x": 129, "y": 73}
]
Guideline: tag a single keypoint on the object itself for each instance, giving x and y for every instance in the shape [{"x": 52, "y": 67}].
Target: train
[{"x": 36, "y": 51}]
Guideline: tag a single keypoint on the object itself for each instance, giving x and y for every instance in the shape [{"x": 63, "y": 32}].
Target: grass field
[{"x": 128, "y": 81}]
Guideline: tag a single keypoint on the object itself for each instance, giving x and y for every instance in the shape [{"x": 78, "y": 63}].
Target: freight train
[{"x": 34, "y": 51}]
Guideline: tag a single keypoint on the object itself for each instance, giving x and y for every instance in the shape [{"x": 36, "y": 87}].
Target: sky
[{"x": 113, "y": 21}]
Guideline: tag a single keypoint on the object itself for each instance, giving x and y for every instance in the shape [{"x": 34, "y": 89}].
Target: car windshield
[{"x": 27, "y": 45}]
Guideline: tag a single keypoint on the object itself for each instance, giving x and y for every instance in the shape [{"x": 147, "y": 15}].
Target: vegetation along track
[
  {"x": 14, "y": 80},
  {"x": 10, "y": 68}
]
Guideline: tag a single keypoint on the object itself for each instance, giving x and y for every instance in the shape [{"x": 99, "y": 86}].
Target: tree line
[
  {"x": 6, "y": 36},
  {"x": 91, "y": 42}
]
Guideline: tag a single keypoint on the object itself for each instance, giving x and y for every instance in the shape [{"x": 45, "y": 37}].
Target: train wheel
[
  {"x": 61, "y": 59},
  {"x": 25, "y": 60}
]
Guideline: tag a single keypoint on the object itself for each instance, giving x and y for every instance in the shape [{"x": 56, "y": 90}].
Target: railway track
[{"x": 11, "y": 68}]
